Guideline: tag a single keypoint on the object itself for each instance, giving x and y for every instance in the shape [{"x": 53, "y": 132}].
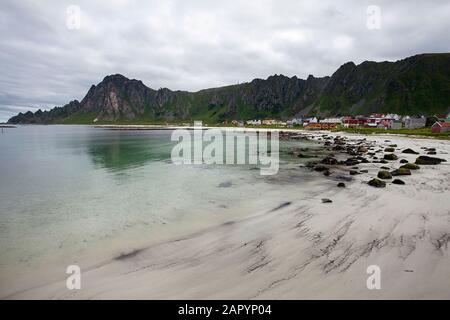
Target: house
[
  {"x": 396, "y": 124},
  {"x": 352, "y": 123},
  {"x": 393, "y": 116},
  {"x": 320, "y": 126},
  {"x": 440, "y": 127},
  {"x": 414, "y": 123},
  {"x": 331, "y": 120},
  {"x": 297, "y": 121},
  {"x": 268, "y": 122},
  {"x": 254, "y": 122},
  {"x": 385, "y": 124}
]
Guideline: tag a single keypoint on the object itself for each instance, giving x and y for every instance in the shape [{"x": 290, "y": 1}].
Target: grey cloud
[{"x": 190, "y": 45}]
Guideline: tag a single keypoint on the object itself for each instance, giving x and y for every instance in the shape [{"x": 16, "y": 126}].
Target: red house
[{"x": 440, "y": 127}]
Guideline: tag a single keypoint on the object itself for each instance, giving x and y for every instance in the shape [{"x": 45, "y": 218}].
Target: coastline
[
  {"x": 281, "y": 129},
  {"x": 300, "y": 248}
]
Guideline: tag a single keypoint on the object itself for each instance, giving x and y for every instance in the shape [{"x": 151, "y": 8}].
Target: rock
[
  {"x": 431, "y": 152},
  {"x": 403, "y": 161},
  {"x": 342, "y": 177},
  {"x": 311, "y": 164},
  {"x": 390, "y": 156},
  {"x": 383, "y": 161},
  {"x": 383, "y": 174},
  {"x": 410, "y": 166},
  {"x": 384, "y": 168},
  {"x": 401, "y": 172},
  {"x": 411, "y": 151},
  {"x": 425, "y": 160},
  {"x": 330, "y": 161},
  {"x": 393, "y": 145},
  {"x": 377, "y": 183},
  {"x": 389, "y": 150},
  {"x": 398, "y": 181},
  {"x": 320, "y": 168},
  {"x": 362, "y": 149},
  {"x": 326, "y": 173},
  {"x": 304, "y": 156},
  {"x": 364, "y": 171},
  {"x": 341, "y": 185},
  {"x": 225, "y": 184},
  {"x": 353, "y": 172},
  {"x": 325, "y": 200},
  {"x": 351, "y": 162},
  {"x": 338, "y": 148}
]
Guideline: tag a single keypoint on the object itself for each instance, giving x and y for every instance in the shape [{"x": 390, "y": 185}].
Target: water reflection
[{"x": 122, "y": 150}]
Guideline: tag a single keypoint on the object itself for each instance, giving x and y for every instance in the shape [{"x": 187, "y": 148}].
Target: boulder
[
  {"x": 425, "y": 160},
  {"x": 325, "y": 200},
  {"x": 390, "y": 156},
  {"x": 401, "y": 172},
  {"x": 320, "y": 168},
  {"x": 410, "y": 151},
  {"x": 351, "y": 162},
  {"x": 362, "y": 149},
  {"x": 403, "y": 161},
  {"x": 398, "y": 181},
  {"x": 377, "y": 183},
  {"x": 353, "y": 172},
  {"x": 383, "y": 174},
  {"x": 389, "y": 149},
  {"x": 410, "y": 166},
  {"x": 330, "y": 161},
  {"x": 341, "y": 185}
]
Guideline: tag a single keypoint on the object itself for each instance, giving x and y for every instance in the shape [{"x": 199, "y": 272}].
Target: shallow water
[{"x": 72, "y": 192}]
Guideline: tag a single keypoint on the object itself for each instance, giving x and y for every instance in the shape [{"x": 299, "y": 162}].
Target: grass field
[{"x": 425, "y": 132}]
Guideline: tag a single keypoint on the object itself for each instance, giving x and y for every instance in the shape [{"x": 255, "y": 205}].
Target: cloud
[{"x": 190, "y": 45}]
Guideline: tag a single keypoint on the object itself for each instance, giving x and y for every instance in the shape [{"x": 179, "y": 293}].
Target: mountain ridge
[{"x": 418, "y": 84}]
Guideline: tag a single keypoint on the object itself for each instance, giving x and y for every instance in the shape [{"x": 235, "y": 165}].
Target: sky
[{"x": 51, "y": 52}]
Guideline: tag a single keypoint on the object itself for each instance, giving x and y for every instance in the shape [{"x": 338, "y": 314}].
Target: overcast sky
[{"x": 48, "y": 59}]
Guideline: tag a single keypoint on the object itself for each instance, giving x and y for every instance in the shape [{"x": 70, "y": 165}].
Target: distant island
[{"x": 418, "y": 85}]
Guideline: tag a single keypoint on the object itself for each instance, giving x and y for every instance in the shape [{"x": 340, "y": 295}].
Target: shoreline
[
  {"x": 145, "y": 127},
  {"x": 301, "y": 248}
]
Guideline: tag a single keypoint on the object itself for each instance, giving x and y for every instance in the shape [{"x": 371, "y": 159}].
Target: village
[{"x": 438, "y": 123}]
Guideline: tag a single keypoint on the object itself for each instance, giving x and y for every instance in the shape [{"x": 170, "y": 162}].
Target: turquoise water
[{"x": 70, "y": 194}]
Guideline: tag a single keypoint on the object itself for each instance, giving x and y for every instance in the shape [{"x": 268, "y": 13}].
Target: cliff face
[{"x": 416, "y": 85}]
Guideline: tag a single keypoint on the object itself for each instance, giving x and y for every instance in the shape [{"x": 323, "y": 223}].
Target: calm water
[{"x": 68, "y": 192}]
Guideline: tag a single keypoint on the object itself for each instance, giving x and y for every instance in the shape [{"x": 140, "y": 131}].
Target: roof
[{"x": 443, "y": 124}]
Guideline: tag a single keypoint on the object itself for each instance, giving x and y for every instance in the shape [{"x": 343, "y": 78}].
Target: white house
[
  {"x": 331, "y": 120},
  {"x": 414, "y": 123}
]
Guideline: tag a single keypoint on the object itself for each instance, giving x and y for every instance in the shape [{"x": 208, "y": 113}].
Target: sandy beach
[{"x": 301, "y": 248}]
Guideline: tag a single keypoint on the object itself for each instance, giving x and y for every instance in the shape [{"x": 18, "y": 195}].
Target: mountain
[{"x": 416, "y": 85}]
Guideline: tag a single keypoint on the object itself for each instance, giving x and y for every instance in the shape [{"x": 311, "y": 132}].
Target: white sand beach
[{"x": 300, "y": 248}]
